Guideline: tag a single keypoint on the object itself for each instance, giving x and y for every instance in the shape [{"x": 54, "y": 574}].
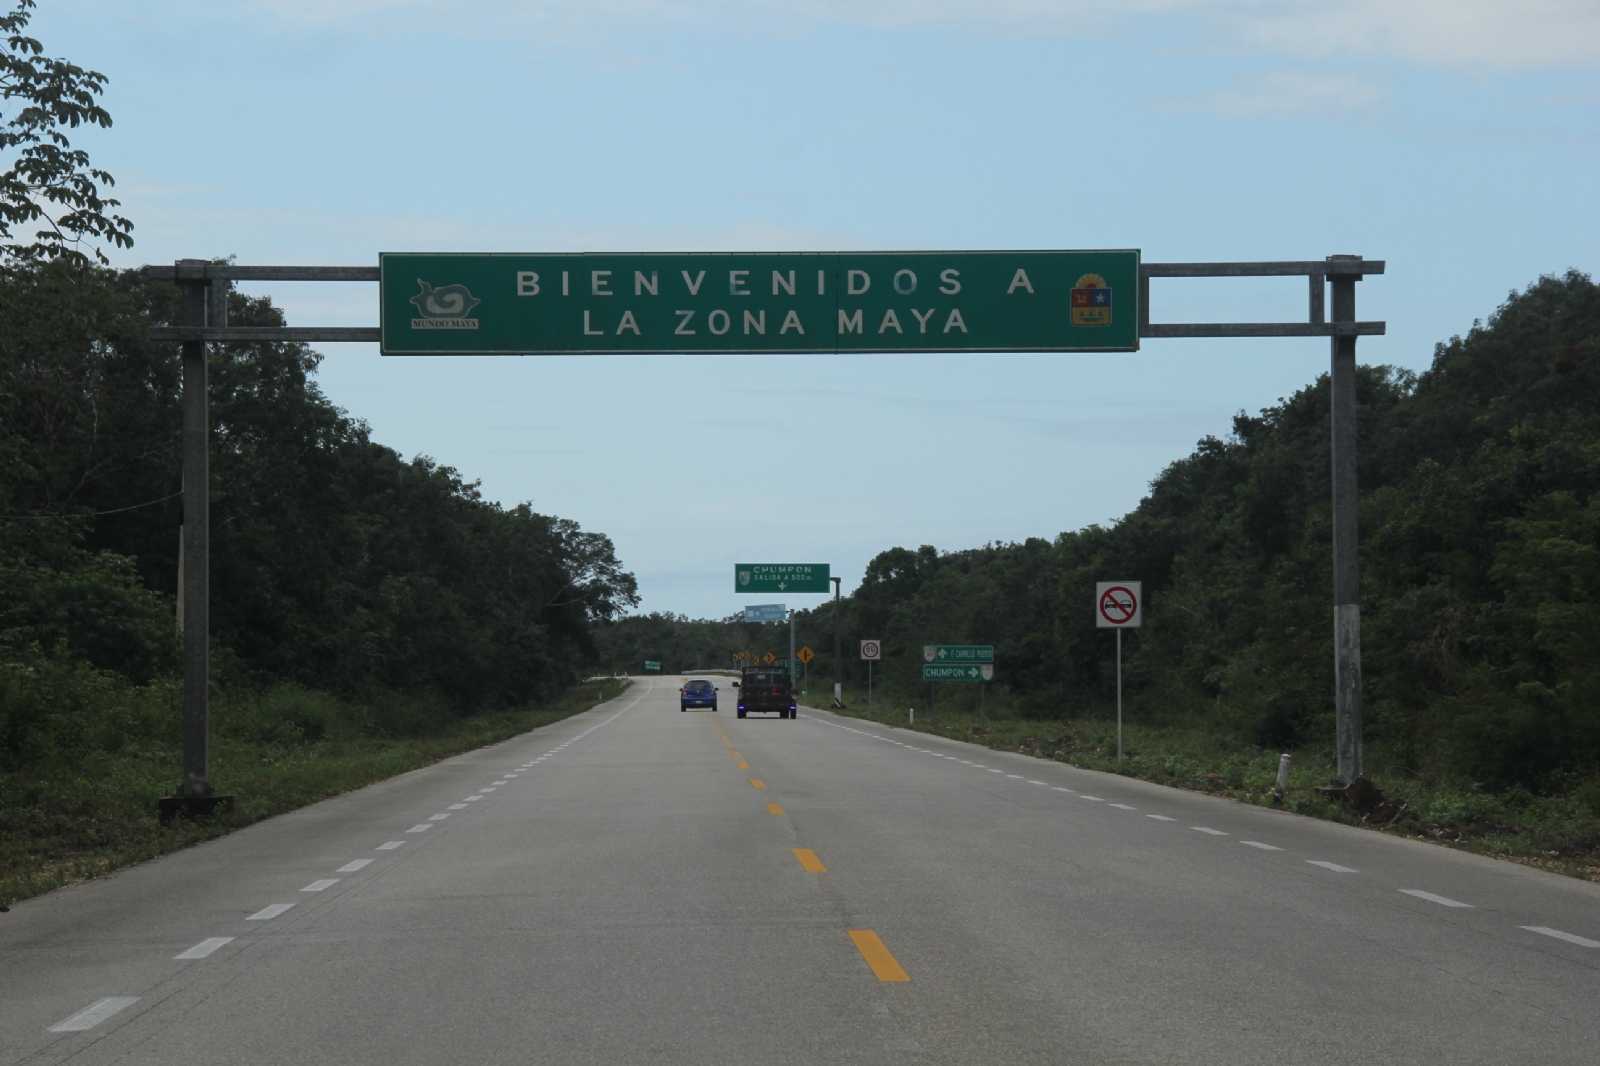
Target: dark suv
[
  {"x": 763, "y": 690},
  {"x": 697, "y": 693}
]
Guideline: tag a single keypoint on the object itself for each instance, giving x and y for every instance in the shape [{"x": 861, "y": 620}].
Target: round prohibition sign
[
  {"x": 870, "y": 649},
  {"x": 1118, "y": 605}
]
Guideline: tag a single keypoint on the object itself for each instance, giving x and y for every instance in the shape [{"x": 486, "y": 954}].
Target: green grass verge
[
  {"x": 65, "y": 823},
  {"x": 1560, "y": 833}
]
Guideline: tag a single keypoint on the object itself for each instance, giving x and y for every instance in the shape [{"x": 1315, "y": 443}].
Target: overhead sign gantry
[{"x": 1065, "y": 301}]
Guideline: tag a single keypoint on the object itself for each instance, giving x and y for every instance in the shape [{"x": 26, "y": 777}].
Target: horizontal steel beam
[
  {"x": 1262, "y": 329},
  {"x": 302, "y": 334},
  {"x": 1262, "y": 270},
  {"x": 229, "y": 272}
]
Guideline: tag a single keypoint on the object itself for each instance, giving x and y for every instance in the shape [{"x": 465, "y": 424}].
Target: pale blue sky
[{"x": 1457, "y": 139}]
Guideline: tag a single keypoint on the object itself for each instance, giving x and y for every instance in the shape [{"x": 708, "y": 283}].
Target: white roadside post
[
  {"x": 871, "y": 652},
  {"x": 1118, "y": 605}
]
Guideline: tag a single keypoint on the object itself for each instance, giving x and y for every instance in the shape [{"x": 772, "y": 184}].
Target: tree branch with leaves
[{"x": 50, "y": 183}]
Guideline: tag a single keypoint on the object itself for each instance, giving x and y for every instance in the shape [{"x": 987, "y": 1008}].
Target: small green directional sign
[
  {"x": 651, "y": 664},
  {"x": 781, "y": 577},
  {"x": 957, "y": 672},
  {"x": 958, "y": 653}
]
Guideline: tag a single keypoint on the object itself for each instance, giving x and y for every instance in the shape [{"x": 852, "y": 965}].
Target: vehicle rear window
[{"x": 697, "y": 686}]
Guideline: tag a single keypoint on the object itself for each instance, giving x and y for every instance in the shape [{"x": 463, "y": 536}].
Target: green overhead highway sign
[
  {"x": 958, "y": 653},
  {"x": 781, "y": 577},
  {"x": 533, "y": 304},
  {"x": 952, "y": 672},
  {"x": 651, "y": 664}
]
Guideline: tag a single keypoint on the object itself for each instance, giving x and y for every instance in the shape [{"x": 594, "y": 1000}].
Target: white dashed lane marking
[
  {"x": 266, "y": 914},
  {"x": 390, "y": 846},
  {"x": 318, "y": 886},
  {"x": 423, "y": 828},
  {"x": 1545, "y": 930},
  {"x": 94, "y": 1014},
  {"x": 439, "y": 817},
  {"x": 1334, "y": 867},
  {"x": 1431, "y": 898},
  {"x": 204, "y": 948},
  {"x": 458, "y": 806},
  {"x": 353, "y": 865}
]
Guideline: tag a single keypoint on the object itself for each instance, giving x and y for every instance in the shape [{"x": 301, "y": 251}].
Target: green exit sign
[
  {"x": 781, "y": 577},
  {"x": 594, "y": 303}
]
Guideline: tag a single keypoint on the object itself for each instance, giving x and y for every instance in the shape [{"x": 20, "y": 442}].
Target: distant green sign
[
  {"x": 973, "y": 672},
  {"x": 516, "y": 304},
  {"x": 781, "y": 577},
  {"x": 958, "y": 653},
  {"x": 650, "y": 664}
]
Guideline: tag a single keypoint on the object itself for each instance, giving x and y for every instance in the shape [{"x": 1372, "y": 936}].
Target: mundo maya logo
[{"x": 445, "y": 307}]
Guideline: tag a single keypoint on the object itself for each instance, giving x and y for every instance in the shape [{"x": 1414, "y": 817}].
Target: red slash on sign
[{"x": 1118, "y": 605}]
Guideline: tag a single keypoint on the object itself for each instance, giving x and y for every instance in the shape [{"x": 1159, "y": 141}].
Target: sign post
[
  {"x": 1118, "y": 605},
  {"x": 871, "y": 652}
]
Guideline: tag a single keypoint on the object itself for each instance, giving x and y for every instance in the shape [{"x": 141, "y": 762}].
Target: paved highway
[{"x": 640, "y": 885}]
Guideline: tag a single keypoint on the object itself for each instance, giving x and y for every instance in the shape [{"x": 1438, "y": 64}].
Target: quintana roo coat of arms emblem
[{"x": 1091, "y": 301}]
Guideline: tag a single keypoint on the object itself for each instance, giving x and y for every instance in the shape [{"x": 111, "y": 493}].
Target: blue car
[{"x": 697, "y": 693}]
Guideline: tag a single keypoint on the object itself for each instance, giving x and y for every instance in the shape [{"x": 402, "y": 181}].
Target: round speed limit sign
[{"x": 871, "y": 650}]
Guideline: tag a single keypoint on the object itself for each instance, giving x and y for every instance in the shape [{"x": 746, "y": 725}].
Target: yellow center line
[
  {"x": 757, "y": 784},
  {"x": 809, "y": 861},
  {"x": 740, "y": 754},
  {"x": 773, "y": 808},
  {"x": 744, "y": 766},
  {"x": 884, "y": 966}
]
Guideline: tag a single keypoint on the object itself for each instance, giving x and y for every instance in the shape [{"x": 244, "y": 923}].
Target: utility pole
[
  {"x": 1346, "y": 562},
  {"x": 202, "y": 298},
  {"x": 838, "y": 657}
]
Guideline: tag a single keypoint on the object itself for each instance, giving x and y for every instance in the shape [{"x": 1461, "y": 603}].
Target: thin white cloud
[
  {"x": 1283, "y": 92},
  {"x": 1488, "y": 34}
]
